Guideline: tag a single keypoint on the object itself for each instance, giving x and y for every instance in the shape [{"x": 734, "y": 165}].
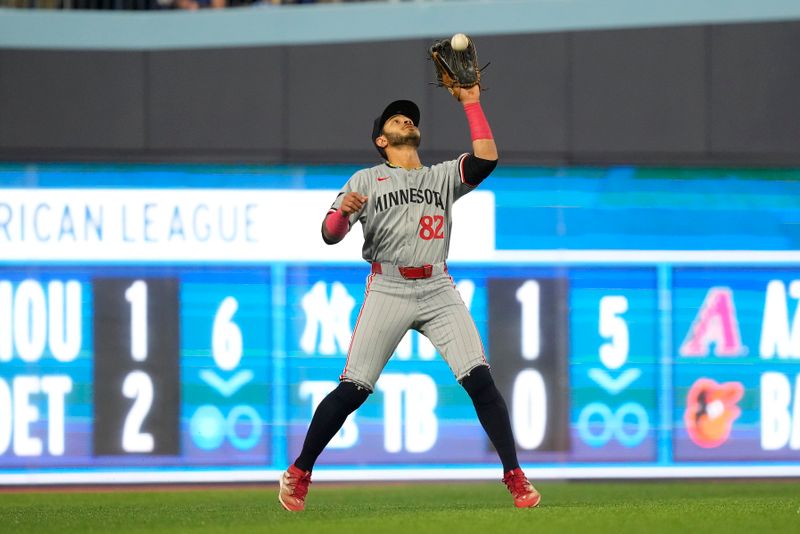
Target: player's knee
[
  {"x": 479, "y": 385},
  {"x": 350, "y": 395}
]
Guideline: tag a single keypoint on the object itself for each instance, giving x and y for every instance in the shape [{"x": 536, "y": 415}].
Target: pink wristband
[
  {"x": 478, "y": 126},
  {"x": 337, "y": 224}
]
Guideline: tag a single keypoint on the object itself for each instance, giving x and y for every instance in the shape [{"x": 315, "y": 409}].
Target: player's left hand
[{"x": 467, "y": 95}]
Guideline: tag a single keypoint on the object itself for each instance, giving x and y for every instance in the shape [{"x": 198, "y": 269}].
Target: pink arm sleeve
[
  {"x": 337, "y": 224},
  {"x": 478, "y": 125}
]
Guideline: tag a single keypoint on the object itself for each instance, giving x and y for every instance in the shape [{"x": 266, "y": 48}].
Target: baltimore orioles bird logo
[{"x": 711, "y": 410}]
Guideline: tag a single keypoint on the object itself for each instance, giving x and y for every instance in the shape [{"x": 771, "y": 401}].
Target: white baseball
[{"x": 459, "y": 42}]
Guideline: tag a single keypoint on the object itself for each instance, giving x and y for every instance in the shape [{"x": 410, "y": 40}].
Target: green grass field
[{"x": 567, "y": 507}]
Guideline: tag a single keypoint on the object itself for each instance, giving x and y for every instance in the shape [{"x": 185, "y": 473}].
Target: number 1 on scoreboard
[{"x": 136, "y": 295}]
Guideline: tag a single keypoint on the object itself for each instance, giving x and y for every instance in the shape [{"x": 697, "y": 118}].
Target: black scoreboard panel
[
  {"x": 529, "y": 344},
  {"x": 137, "y": 366}
]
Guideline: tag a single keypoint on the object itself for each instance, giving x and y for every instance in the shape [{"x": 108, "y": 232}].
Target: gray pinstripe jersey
[{"x": 407, "y": 217}]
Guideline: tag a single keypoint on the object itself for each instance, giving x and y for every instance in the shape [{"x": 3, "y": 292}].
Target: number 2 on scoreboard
[{"x": 139, "y": 387}]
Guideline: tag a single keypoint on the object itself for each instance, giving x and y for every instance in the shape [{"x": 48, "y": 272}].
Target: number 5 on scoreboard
[{"x": 612, "y": 326}]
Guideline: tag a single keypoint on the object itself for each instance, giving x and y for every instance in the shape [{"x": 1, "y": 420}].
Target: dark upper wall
[{"x": 717, "y": 95}]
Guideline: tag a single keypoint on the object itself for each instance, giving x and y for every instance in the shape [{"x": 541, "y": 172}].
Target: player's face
[{"x": 400, "y": 130}]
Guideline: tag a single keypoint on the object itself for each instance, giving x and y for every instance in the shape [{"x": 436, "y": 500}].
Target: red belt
[{"x": 409, "y": 273}]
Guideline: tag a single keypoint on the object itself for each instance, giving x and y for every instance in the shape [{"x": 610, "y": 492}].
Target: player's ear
[{"x": 381, "y": 141}]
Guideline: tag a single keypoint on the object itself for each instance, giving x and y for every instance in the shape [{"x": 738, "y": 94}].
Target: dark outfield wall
[{"x": 716, "y": 95}]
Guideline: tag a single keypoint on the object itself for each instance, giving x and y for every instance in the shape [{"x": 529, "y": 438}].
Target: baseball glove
[{"x": 454, "y": 68}]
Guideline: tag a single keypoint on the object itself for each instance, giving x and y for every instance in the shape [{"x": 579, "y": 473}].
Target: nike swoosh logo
[{"x": 382, "y": 178}]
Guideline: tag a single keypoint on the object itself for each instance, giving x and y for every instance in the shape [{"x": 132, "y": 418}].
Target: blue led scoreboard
[{"x": 166, "y": 334}]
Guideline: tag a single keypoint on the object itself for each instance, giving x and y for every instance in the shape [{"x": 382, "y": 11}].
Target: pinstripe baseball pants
[{"x": 393, "y": 305}]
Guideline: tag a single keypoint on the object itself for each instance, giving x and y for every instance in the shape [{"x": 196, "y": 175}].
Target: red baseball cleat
[
  {"x": 525, "y": 495},
  {"x": 294, "y": 488}
]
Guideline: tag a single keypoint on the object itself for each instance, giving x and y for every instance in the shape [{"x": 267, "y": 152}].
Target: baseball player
[{"x": 405, "y": 212}]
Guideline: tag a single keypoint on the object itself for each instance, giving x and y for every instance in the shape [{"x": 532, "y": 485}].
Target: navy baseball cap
[{"x": 398, "y": 107}]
